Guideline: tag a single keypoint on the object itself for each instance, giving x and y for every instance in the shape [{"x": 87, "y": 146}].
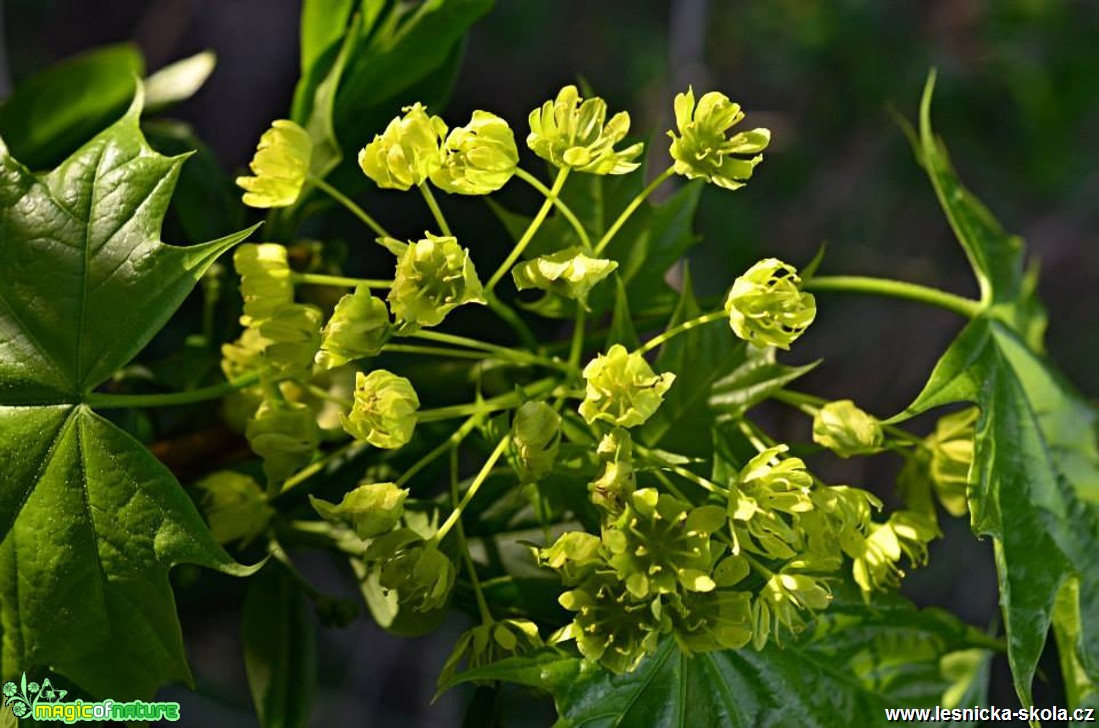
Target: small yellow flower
[
  {"x": 569, "y": 273},
  {"x": 433, "y": 277},
  {"x": 569, "y": 132},
  {"x": 384, "y": 412},
  {"x": 767, "y": 307},
  {"x": 264, "y": 280},
  {"x": 478, "y": 158},
  {"x": 701, "y": 151},
  {"x": 407, "y": 152},
  {"x": 622, "y": 388},
  {"x": 847, "y": 430},
  {"x": 280, "y": 166}
]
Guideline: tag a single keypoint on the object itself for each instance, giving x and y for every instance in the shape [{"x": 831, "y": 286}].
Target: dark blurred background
[{"x": 1017, "y": 102}]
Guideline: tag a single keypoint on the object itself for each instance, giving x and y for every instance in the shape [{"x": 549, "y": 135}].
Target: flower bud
[
  {"x": 358, "y": 328},
  {"x": 264, "y": 280},
  {"x": 569, "y": 132},
  {"x": 846, "y": 430},
  {"x": 567, "y": 272},
  {"x": 234, "y": 506},
  {"x": 285, "y": 435},
  {"x": 622, "y": 388},
  {"x": 434, "y": 276},
  {"x": 766, "y": 306},
  {"x": 702, "y": 151},
  {"x": 612, "y": 489},
  {"x": 407, "y": 152},
  {"x": 478, "y": 158},
  {"x": 280, "y": 166},
  {"x": 536, "y": 435},
  {"x": 292, "y": 335},
  {"x": 371, "y": 509},
  {"x": 384, "y": 412}
]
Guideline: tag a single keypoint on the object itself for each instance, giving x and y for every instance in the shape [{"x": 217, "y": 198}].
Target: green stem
[
  {"x": 681, "y": 472},
  {"x": 436, "y": 351},
  {"x": 495, "y": 404},
  {"x": 500, "y": 352},
  {"x": 429, "y": 198},
  {"x": 576, "y": 349},
  {"x": 463, "y": 545},
  {"x": 99, "y": 400},
  {"x": 896, "y": 289},
  {"x": 630, "y": 209},
  {"x": 512, "y": 319},
  {"x": 705, "y": 318},
  {"x": 536, "y": 223},
  {"x": 482, "y": 475},
  {"x": 348, "y": 203},
  {"x": 559, "y": 204},
  {"x": 447, "y": 444},
  {"x": 318, "y": 279},
  {"x": 315, "y": 467},
  {"x": 279, "y": 554}
]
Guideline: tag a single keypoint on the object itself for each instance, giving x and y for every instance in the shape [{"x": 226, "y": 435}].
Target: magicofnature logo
[{"x": 46, "y": 703}]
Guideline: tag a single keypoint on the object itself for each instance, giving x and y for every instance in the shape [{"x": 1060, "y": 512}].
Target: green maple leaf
[
  {"x": 91, "y": 522},
  {"x": 1034, "y": 484}
]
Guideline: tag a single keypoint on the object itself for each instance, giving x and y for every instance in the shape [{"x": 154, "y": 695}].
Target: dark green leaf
[
  {"x": 622, "y": 330},
  {"x": 280, "y": 653},
  {"x": 756, "y": 378},
  {"x": 858, "y": 661},
  {"x": 53, "y": 113},
  {"x": 699, "y": 357},
  {"x": 91, "y": 522},
  {"x": 1034, "y": 484}
]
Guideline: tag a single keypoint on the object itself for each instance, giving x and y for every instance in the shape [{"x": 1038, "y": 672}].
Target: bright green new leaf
[
  {"x": 857, "y": 662},
  {"x": 91, "y": 521},
  {"x": 1034, "y": 484}
]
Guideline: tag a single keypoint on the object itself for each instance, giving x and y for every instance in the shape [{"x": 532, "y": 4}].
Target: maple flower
[
  {"x": 702, "y": 150},
  {"x": 571, "y": 132},
  {"x": 280, "y": 166}
]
